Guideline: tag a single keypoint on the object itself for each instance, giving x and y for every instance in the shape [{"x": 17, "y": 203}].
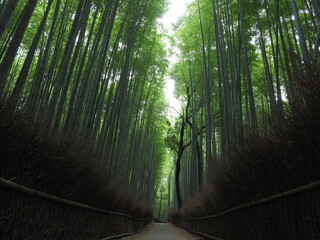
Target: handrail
[
  {"x": 18, "y": 187},
  {"x": 294, "y": 191}
]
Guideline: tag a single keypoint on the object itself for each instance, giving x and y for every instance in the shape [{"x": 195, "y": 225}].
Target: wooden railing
[
  {"x": 29, "y": 214},
  {"x": 294, "y": 214}
]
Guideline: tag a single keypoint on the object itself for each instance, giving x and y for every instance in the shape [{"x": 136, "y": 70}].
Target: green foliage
[
  {"x": 246, "y": 51},
  {"x": 97, "y": 74}
]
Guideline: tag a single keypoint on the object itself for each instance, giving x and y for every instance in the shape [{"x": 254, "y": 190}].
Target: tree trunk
[
  {"x": 6, "y": 14},
  {"x": 302, "y": 40},
  {"x": 10, "y": 55},
  {"x": 27, "y": 64}
]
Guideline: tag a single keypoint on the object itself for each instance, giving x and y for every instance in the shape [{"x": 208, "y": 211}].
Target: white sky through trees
[{"x": 176, "y": 9}]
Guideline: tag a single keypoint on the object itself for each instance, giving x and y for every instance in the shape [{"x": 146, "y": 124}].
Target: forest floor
[{"x": 162, "y": 231}]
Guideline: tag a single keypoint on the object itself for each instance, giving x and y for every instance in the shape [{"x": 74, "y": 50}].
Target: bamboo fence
[
  {"x": 29, "y": 214},
  {"x": 291, "y": 215}
]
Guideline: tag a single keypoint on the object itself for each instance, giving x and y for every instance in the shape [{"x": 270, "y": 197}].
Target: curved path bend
[{"x": 162, "y": 231}]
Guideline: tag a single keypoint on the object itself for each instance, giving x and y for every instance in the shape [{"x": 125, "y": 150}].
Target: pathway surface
[{"x": 162, "y": 231}]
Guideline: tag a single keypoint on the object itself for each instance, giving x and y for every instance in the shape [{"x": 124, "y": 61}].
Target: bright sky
[{"x": 176, "y": 9}]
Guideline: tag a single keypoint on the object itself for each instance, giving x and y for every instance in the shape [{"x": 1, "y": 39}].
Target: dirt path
[{"x": 162, "y": 231}]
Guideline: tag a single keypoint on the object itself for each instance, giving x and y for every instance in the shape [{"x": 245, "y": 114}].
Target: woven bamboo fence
[
  {"x": 291, "y": 215},
  {"x": 29, "y": 214}
]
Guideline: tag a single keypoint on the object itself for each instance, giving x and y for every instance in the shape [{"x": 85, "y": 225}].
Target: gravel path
[{"x": 162, "y": 231}]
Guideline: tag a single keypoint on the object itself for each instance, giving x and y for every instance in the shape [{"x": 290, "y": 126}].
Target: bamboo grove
[
  {"x": 91, "y": 70},
  {"x": 94, "y": 71},
  {"x": 236, "y": 72}
]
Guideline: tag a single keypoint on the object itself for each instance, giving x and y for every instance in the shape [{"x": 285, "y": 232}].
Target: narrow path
[{"x": 162, "y": 231}]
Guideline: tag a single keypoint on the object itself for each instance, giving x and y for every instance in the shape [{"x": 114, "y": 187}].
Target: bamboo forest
[{"x": 160, "y": 119}]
